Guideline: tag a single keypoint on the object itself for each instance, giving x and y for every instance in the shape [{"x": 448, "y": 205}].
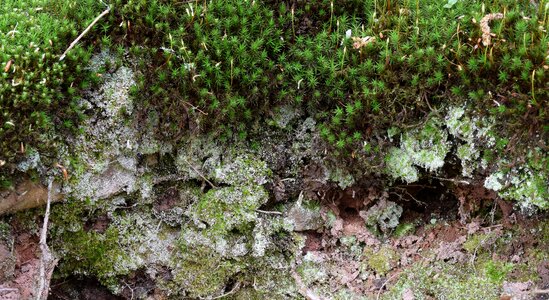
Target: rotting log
[{"x": 26, "y": 194}]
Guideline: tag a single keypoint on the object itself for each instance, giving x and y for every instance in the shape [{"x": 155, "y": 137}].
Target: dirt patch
[
  {"x": 80, "y": 288},
  {"x": 313, "y": 241},
  {"x": 21, "y": 281},
  {"x": 138, "y": 285},
  {"x": 99, "y": 224},
  {"x": 167, "y": 200}
]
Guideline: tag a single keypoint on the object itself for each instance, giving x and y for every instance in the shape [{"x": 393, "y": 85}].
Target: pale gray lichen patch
[
  {"x": 98, "y": 60},
  {"x": 244, "y": 169},
  {"x": 32, "y": 161},
  {"x": 494, "y": 181},
  {"x": 400, "y": 165},
  {"x": 474, "y": 134},
  {"x": 304, "y": 217},
  {"x": 106, "y": 149},
  {"x": 264, "y": 229},
  {"x": 284, "y": 115},
  {"x": 341, "y": 177},
  {"x": 526, "y": 183},
  {"x": 144, "y": 242},
  {"x": 426, "y": 147},
  {"x": 528, "y": 187},
  {"x": 384, "y": 215},
  {"x": 198, "y": 156}
]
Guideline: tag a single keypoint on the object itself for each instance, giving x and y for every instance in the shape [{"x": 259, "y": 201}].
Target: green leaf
[{"x": 450, "y": 3}]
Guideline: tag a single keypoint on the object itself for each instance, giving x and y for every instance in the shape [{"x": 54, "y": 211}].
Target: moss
[
  {"x": 497, "y": 271},
  {"x": 37, "y": 89},
  {"x": 479, "y": 243},
  {"x": 311, "y": 272},
  {"x": 381, "y": 261},
  {"x": 404, "y": 229},
  {"x": 229, "y": 208},
  {"x": 445, "y": 281},
  {"x": 200, "y": 273}
]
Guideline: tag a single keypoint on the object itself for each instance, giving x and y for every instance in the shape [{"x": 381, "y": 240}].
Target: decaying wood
[{"x": 25, "y": 195}]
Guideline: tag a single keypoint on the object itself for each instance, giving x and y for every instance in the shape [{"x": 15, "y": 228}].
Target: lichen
[
  {"x": 426, "y": 147},
  {"x": 400, "y": 165},
  {"x": 244, "y": 169},
  {"x": 304, "y": 217},
  {"x": 341, "y": 177},
  {"x": 527, "y": 184},
  {"x": 384, "y": 215},
  {"x": 474, "y": 134}
]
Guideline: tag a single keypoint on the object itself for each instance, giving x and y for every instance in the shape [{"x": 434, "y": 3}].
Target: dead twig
[
  {"x": 194, "y": 107},
  {"x": 452, "y": 180},
  {"x": 200, "y": 174},
  {"x": 384, "y": 284},
  {"x": 269, "y": 212},
  {"x": 47, "y": 261},
  {"x": 106, "y": 11},
  {"x": 303, "y": 290}
]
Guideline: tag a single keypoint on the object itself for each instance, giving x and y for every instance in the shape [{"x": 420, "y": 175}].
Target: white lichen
[{"x": 426, "y": 147}]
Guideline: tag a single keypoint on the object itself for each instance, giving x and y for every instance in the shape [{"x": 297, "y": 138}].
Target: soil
[{"x": 445, "y": 214}]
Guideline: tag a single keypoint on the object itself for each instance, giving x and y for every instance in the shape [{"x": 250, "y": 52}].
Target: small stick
[
  {"x": 200, "y": 174},
  {"x": 46, "y": 259},
  {"x": 106, "y": 11},
  {"x": 269, "y": 212},
  {"x": 384, "y": 284},
  {"x": 452, "y": 180}
]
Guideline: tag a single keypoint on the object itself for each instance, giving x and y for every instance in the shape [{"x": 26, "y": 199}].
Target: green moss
[
  {"x": 446, "y": 281},
  {"x": 37, "y": 90},
  {"x": 201, "y": 273},
  {"x": 404, "y": 229},
  {"x": 479, "y": 243},
  {"x": 381, "y": 261},
  {"x": 497, "y": 271},
  {"x": 229, "y": 208}
]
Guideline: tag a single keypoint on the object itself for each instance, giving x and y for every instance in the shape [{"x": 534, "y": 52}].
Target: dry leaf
[
  {"x": 486, "y": 34},
  {"x": 8, "y": 66}
]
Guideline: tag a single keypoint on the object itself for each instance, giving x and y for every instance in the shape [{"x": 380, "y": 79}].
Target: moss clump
[
  {"x": 477, "y": 244},
  {"x": 381, "y": 261},
  {"x": 445, "y": 281},
  {"x": 404, "y": 229},
  {"x": 225, "y": 209},
  {"x": 229, "y": 62},
  {"x": 201, "y": 273},
  {"x": 92, "y": 254},
  {"x": 39, "y": 93}
]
